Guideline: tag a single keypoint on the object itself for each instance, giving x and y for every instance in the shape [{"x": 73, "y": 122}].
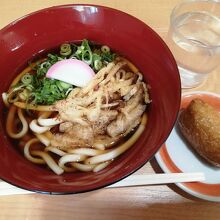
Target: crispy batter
[
  {"x": 75, "y": 135},
  {"x": 109, "y": 106},
  {"x": 200, "y": 125}
]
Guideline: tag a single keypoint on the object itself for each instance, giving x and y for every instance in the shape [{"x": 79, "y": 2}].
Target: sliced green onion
[
  {"x": 96, "y": 56},
  {"x": 27, "y": 79},
  {"x": 54, "y": 89},
  {"x": 87, "y": 56},
  {"x": 60, "y": 58},
  {"x": 65, "y": 85},
  {"x": 24, "y": 95},
  {"x": 85, "y": 45},
  {"x": 37, "y": 89},
  {"x": 79, "y": 51},
  {"x": 46, "y": 65},
  {"x": 98, "y": 64},
  {"x": 13, "y": 96},
  {"x": 74, "y": 48},
  {"x": 105, "y": 49},
  {"x": 108, "y": 57},
  {"x": 62, "y": 85},
  {"x": 52, "y": 57},
  {"x": 29, "y": 87},
  {"x": 68, "y": 91},
  {"x": 65, "y": 49},
  {"x": 41, "y": 71}
]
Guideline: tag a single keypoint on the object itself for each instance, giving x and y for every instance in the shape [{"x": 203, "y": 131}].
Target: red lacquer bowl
[{"x": 26, "y": 38}]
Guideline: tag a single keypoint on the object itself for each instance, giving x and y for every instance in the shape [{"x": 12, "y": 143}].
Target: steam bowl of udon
[{"x": 89, "y": 94}]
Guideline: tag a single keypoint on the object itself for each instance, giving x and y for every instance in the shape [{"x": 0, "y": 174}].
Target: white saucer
[{"x": 177, "y": 156}]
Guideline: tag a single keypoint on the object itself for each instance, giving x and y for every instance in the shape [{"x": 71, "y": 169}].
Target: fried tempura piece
[
  {"x": 102, "y": 112},
  {"x": 200, "y": 125}
]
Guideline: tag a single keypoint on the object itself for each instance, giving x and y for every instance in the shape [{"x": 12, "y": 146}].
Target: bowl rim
[{"x": 156, "y": 35}]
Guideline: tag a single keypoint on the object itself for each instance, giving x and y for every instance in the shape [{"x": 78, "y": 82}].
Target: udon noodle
[{"x": 87, "y": 130}]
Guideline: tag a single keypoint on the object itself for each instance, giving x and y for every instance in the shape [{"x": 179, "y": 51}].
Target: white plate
[{"x": 177, "y": 156}]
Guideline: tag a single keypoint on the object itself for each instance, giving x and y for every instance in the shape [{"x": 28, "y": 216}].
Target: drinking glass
[{"x": 194, "y": 39}]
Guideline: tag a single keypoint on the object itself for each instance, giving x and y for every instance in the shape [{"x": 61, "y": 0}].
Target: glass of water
[{"x": 194, "y": 39}]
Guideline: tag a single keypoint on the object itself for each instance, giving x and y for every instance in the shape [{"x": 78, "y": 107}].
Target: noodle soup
[{"x": 72, "y": 127}]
